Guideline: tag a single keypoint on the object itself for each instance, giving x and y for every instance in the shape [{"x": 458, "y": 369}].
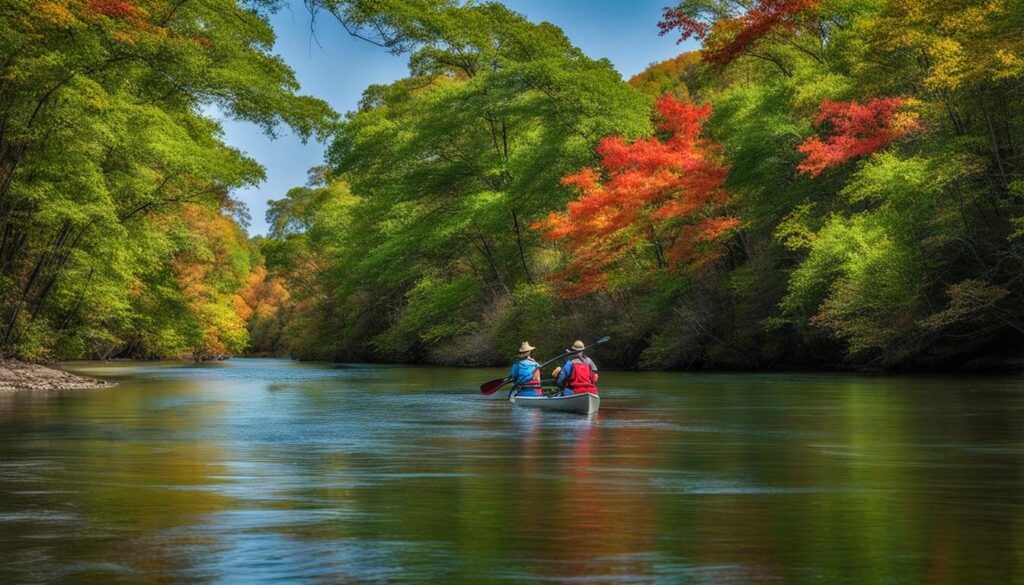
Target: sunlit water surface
[{"x": 268, "y": 471}]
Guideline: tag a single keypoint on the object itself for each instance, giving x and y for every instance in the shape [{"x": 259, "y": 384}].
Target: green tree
[
  {"x": 103, "y": 139},
  {"x": 452, "y": 166}
]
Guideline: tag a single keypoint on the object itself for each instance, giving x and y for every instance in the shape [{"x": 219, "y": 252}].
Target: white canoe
[{"x": 578, "y": 403}]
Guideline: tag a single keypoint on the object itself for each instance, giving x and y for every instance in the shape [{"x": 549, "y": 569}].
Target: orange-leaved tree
[
  {"x": 211, "y": 268},
  {"x": 660, "y": 199},
  {"x": 853, "y": 130}
]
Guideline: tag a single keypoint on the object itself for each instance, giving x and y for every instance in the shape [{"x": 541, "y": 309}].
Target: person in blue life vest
[
  {"x": 579, "y": 373},
  {"x": 525, "y": 373}
]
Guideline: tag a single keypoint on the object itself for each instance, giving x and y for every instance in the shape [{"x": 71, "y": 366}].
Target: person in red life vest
[
  {"x": 579, "y": 373},
  {"x": 525, "y": 373}
]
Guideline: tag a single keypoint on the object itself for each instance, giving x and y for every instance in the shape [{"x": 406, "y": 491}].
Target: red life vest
[
  {"x": 581, "y": 378},
  {"x": 535, "y": 380}
]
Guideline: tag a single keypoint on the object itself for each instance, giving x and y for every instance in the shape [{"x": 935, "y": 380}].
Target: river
[{"x": 270, "y": 471}]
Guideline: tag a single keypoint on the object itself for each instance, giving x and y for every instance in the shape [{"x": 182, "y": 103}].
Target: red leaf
[
  {"x": 645, "y": 194},
  {"x": 728, "y": 38},
  {"x": 852, "y": 130}
]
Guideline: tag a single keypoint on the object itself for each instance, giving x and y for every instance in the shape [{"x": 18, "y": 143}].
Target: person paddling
[
  {"x": 525, "y": 373},
  {"x": 579, "y": 374}
]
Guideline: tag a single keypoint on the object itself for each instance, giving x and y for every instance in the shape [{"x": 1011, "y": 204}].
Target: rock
[{"x": 23, "y": 376}]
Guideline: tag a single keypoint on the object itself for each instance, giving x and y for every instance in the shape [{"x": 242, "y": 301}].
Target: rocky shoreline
[{"x": 23, "y": 376}]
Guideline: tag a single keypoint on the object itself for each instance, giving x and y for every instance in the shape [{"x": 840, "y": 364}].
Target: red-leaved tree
[
  {"x": 660, "y": 199},
  {"x": 852, "y": 130},
  {"x": 727, "y": 34},
  {"x": 119, "y": 9}
]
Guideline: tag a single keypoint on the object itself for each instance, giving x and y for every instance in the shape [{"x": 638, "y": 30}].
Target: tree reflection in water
[{"x": 263, "y": 470}]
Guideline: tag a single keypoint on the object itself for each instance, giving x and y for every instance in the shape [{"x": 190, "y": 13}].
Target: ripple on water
[
  {"x": 268, "y": 471},
  {"x": 695, "y": 483}
]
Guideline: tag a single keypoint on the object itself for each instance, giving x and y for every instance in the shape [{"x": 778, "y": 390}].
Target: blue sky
[{"x": 336, "y": 67}]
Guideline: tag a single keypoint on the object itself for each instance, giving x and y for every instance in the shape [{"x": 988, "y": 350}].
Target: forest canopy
[
  {"x": 118, "y": 232},
  {"x": 824, "y": 183}
]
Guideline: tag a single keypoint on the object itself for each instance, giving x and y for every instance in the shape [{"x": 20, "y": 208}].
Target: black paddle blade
[{"x": 492, "y": 386}]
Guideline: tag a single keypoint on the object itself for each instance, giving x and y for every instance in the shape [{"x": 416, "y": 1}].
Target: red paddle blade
[{"x": 492, "y": 386}]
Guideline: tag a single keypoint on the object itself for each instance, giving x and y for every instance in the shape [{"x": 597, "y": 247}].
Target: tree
[
  {"x": 665, "y": 195},
  {"x": 731, "y": 29},
  {"x": 854, "y": 130},
  {"x": 796, "y": 217},
  {"x": 674, "y": 76},
  {"x": 103, "y": 137},
  {"x": 264, "y": 304},
  {"x": 453, "y": 165}
]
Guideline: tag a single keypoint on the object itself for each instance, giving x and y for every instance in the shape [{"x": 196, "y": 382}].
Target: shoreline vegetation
[
  {"x": 823, "y": 185},
  {"x": 18, "y": 376}
]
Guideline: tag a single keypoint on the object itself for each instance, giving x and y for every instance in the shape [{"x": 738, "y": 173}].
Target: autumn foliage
[
  {"x": 853, "y": 130},
  {"x": 129, "y": 15},
  {"x": 673, "y": 76},
  {"x": 116, "y": 8},
  {"x": 688, "y": 26},
  {"x": 210, "y": 269},
  {"x": 728, "y": 38},
  {"x": 663, "y": 195},
  {"x": 262, "y": 296},
  {"x": 124, "y": 21}
]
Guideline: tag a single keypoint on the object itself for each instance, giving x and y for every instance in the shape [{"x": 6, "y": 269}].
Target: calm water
[{"x": 269, "y": 471}]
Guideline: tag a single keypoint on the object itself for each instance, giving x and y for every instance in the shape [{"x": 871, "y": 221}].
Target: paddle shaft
[
  {"x": 493, "y": 386},
  {"x": 598, "y": 342}
]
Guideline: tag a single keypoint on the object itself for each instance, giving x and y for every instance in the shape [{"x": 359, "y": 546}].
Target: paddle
[{"x": 492, "y": 386}]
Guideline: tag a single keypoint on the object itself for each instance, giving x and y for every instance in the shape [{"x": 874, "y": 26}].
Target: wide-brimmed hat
[
  {"x": 578, "y": 345},
  {"x": 525, "y": 347}
]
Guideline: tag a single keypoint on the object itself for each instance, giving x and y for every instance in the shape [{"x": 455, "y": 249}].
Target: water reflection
[{"x": 269, "y": 471}]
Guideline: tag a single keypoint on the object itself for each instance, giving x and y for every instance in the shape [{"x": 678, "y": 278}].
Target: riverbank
[{"x": 22, "y": 376}]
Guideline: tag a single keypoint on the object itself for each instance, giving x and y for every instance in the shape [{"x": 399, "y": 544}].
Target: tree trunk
[{"x": 519, "y": 244}]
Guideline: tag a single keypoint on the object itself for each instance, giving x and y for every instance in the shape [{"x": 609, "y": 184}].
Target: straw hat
[
  {"x": 526, "y": 347},
  {"x": 578, "y": 345}
]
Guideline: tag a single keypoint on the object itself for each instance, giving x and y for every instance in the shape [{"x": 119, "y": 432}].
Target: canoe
[{"x": 578, "y": 403}]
